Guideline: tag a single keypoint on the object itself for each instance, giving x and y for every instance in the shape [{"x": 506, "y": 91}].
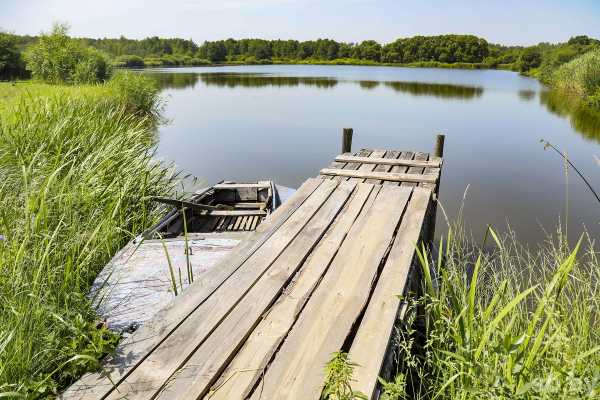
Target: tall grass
[
  {"x": 77, "y": 172},
  {"x": 581, "y": 77},
  {"x": 509, "y": 323}
]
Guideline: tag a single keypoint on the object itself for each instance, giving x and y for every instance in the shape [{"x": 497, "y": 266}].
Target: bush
[
  {"x": 57, "y": 58},
  {"x": 152, "y": 62},
  {"x": 129, "y": 61},
  {"x": 198, "y": 61},
  {"x": 11, "y": 62},
  {"x": 139, "y": 94},
  {"x": 580, "y": 76},
  {"x": 529, "y": 59}
]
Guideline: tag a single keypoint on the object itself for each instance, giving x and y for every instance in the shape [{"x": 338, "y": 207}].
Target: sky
[{"x": 507, "y": 22}]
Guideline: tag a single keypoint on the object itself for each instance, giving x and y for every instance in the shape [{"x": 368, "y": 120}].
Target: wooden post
[
  {"x": 347, "y": 140},
  {"x": 439, "y": 146}
]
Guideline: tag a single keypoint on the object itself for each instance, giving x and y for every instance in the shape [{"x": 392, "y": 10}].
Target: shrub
[
  {"x": 580, "y": 76},
  {"x": 139, "y": 94},
  {"x": 198, "y": 61},
  {"x": 152, "y": 62},
  {"x": 57, "y": 58},
  {"x": 11, "y": 62},
  {"x": 529, "y": 59},
  {"x": 129, "y": 61}
]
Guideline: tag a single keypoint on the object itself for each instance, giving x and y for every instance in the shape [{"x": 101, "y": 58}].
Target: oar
[{"x": 189, "y": 204}]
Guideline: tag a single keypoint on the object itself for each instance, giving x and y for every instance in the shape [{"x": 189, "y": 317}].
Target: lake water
[{"x": 284, "y": 123}]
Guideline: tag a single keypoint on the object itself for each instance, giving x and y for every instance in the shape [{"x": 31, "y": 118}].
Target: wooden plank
[
  {"x": 133, "y": 350},
  {"x": 235, "y": 213},
  {"x": 247, "y": 367},
  {"x": 210, "y": 359},
  {"x": 188, "y": 204},
  {"x": 370, "y": 167},
  {"x": 352, "y": 166},
  {"x": 384, "y": 176},
  {"x": 433, "y": 171},
  {"x": 253, "y": 222},
  {"x": 251, "y": 205},
  {"x": 418, "y": 171},
  {"x": 221, "y": 224},
  {"x": 259, "y": 185},
  {"x": 405, "y": 155},
  {"x": 335, "y": 165},
  {"x": 248, "y": 224},
  {"x": 390, "y": 154},
  {"x": 297, "y": 371},
  {"x": 238, "y": 222},
  {"x": 159, "y": 365},
  {"x": 387, "y": 161},
  {"x": 372, "y": 339}
]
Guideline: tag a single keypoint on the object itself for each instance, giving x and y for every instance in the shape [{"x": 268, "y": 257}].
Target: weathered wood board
[{"x": 320, "y": 275}]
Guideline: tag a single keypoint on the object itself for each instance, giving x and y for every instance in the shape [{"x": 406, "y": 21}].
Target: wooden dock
[{"x": 319, "y": 275}]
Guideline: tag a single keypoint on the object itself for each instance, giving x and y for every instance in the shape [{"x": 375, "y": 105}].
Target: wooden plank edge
[{"x": 384, "y": 176}]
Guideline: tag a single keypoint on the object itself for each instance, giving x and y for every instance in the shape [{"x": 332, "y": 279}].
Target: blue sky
[{"x": 507, "y": 22}]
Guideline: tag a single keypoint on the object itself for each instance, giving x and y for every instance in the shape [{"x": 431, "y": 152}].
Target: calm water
[{"x": 285, "y": 122}]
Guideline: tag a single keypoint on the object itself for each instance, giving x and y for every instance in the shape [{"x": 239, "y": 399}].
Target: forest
[{"x": 443, "y": 51}]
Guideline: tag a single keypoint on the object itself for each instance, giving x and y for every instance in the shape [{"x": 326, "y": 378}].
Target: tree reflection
[
  {"x": 253, "y": 80},
  {"x": 233, "y": 80},
  {"x": 583, "y": 119},
  {"x": 437, "y": 90},
  {"x": 179, "y": 80}
]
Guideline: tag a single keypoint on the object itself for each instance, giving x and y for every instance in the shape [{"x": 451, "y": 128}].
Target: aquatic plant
[
  {"x": 77, "y": 173},
  {"x": 581, "y": 77},
  {"x": 505, "y": 323}
]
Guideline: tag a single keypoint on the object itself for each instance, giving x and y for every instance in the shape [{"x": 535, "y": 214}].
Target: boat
[
  {"x": 224, "y": 207},
  {"x": 191, "y": 238}
]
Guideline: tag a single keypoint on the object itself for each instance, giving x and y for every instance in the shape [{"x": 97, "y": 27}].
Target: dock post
[
  {"x": 438, "y": 151},
  {"x": 439, "y": 146},
  {"x": 347, "y": 140}
]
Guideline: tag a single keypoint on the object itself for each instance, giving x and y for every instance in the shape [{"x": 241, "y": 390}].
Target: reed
[
  {"x": 77, "y": 174},
  {"x": 580, "y": 77},
  {"x": 504, "y": 323}
]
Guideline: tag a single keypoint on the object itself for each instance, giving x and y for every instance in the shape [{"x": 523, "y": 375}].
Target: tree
[
  {"x": 57, "y": 58},
  {"x": 530, "y": 58},
  {"x": 11, "y": 62},
  {"x": 368, "y": 50}
]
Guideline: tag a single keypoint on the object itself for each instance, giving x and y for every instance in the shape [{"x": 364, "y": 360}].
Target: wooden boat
[
  {"x": 224, "y": 207},
  {"x": 187, "y": 242}
]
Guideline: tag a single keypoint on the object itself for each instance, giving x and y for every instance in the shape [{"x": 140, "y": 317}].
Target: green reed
[
  {"x": 77, "y": 174},
  {"x": 507, "y": 323}
]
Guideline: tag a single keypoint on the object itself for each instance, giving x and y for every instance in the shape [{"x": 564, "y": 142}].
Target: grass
[
  {"x": 77, "y": 172},
  {"x": 580, "y": 77},
  {"x": 509, "y": 323}
]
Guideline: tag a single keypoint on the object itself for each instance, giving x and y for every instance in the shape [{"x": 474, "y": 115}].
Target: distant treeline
[
  {"x": 450, "y": 51},
  {"x": 445, "y": 48}
]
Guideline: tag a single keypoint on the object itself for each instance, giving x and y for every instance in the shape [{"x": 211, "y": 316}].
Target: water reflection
[
  {"x": 233, "y": 80},
  {"x": 181, "y": 80},
  {"x": 584, "y": 120},
  {"x": 368, "y": 84},
  {"x": 526, "y": 95},
  {"x": 253, "y": 80},
  {"x": 436, "y": 90}
]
